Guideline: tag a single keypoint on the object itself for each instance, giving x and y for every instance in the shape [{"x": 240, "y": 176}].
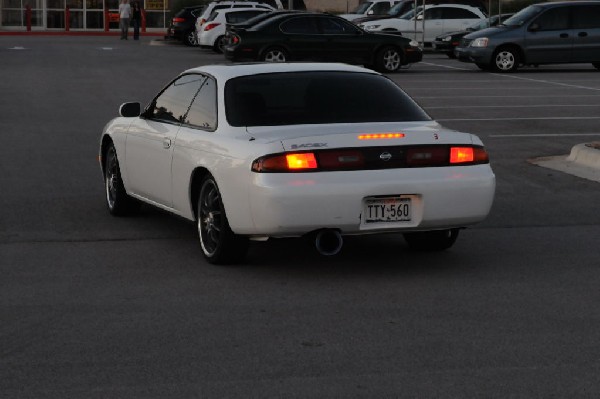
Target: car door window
[
  {"x": 241, "y": 16},
  {"x": 380, "y": 8},
  {"x": 458, "y": 13},
  {"x": 586, "y": 17},
  {"x": 335, "y": 26},
  {"x": 553, "y": 19},
  {"x": 433, "y": 13},
  {"x": 172, "y": 104},
  {"x": 203, "y": 110},
  {"x": 300, "y": 25}
]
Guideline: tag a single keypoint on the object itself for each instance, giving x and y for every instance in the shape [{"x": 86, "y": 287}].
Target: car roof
[{"x": 230, "y": 71}]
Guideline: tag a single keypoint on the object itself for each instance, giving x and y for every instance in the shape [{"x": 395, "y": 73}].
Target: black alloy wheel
[
  {"x": 219, "y": 244},
  {"x": 117, "y": 200},
  {"x": 437, "y": 240},
  {"x": 190, "y": 39},
  {"x": 220, "y": 43}
]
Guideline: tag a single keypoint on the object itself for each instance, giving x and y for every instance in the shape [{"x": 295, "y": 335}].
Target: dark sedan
[
  {"x": 183, "y": 25},
  {"x": 448, "y": 41},
  {"x": 319, "y": 37}
]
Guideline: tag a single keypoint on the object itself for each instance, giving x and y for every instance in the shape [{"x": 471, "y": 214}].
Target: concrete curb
[
  {"x": 586, "y": 154},
  {"x": 583, "y": 161}
]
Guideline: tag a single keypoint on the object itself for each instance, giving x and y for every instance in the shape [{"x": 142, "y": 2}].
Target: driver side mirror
[
  {"x": 130, "y": 110},
  {"x": 533, "y": 27},
  {"x": 420, "y": 17}
]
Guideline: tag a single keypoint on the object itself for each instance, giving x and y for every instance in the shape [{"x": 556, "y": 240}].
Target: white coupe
[{"x": 252, "y": 151}]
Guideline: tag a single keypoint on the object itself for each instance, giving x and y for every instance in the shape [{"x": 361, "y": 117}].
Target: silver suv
[{"x": 546, "y": 33}]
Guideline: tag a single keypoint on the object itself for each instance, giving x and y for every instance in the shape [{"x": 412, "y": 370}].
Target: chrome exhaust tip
[{"x": 328, "y": 242}]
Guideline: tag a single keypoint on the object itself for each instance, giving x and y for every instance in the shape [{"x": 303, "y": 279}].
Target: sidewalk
[{"x": 154, "y": 32}]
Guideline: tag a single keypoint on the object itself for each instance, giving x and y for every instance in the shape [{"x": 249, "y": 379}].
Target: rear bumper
[{"x": 295, "y": 204}]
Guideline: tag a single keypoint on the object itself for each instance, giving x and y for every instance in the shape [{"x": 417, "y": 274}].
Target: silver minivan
[{"x": 546, "y": 33}]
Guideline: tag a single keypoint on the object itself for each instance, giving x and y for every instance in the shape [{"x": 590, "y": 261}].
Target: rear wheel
[
  {"x": 219, "y": 244},
  {"x": 437, "y": 240},
  {"x": 451, "y": 55},
  {"x": 506, "y": 60},
  {"x": 275, "y": 54},
  {"x": 596, "y": 65},
  {"x": 117, "y": 200},
  {"x": 189, "y": 39},
  {"x": 388, "y": 59},
  {"x": 483, "y": 67},
  {"x": 220, "y": 44}
]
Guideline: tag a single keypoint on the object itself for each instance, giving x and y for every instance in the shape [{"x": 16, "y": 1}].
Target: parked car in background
[
  {"x": 183, "y": 25},
  {"x": 212, "y": 33},
  {"x": 370, "y": 8},
  {"x": 545, "y": 33},
  {"x": 319, "y": 37},
  {"x": 433, "y": 21},
  {"x": 403, "y": 6},
  {"x": 230, "y": 4},
  {"x": 447, "y": 42},
  {"x": 259, "y": 151}
]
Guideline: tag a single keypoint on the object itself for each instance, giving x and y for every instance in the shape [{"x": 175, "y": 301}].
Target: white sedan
[{"x": 252, "y": 151}]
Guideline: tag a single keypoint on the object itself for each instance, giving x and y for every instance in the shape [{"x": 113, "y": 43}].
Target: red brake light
[
  {"x": 461, "y": 154},
  {"x": 178, "y": 20},
  {"x": 211, "y": 26},
  {"x": 235, "y": 39},
  {"x": 305, "y": 160}
]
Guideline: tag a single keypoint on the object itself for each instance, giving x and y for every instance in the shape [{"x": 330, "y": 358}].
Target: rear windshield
[{"x": 317, "y": 97}]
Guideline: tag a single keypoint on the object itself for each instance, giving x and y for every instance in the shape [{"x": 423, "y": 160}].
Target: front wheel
[
  {"x": 437, "y": 240},
  {"x": 505, "y": 60},
  {"x": 275, "y": 54},
  {"x": 388, "y": 59},
  {"x": 117, "y": 200},
  {"x": 219, "y": 244}
]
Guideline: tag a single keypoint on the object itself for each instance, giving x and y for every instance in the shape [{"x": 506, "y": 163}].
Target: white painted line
[
  {"x": 516, "y": 106},
  {"x": 445, "y": 66},
  {"x": 17, "y": 48},
  {"x": 562, "y": 96},
  {"x": 524, "y": 119},
  {"x": 544, "y": 135},
  {"x": 106, "y": 48}
]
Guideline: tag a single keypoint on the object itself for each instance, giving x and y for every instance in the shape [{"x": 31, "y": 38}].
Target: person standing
[
  {"x": 136, "y": 19},
  {"x": 124, "y": 15}
]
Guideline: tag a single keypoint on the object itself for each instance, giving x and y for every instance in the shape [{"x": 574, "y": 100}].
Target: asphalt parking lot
[{"x": 94, "y": 307}]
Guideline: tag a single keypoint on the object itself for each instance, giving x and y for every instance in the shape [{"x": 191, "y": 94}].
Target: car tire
[
  {"x": 437, "y": 240},
  {"x": 596, "y": 65},
  {"x": 506, "y": 59},
  {"x": 451, "y": 55},
  {"x": 220, "y": 44},
  {"x": 275, "y": 54},
  {"x": 483, "y": 67},
  {"x": 190, "y": 39},
  {"x": 388, "y": 59},
  {"x": 219, "y": 244},
  {"x": 117, "y": 200}
]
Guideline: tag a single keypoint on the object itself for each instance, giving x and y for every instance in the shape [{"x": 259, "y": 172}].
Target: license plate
[{"x": 388, "y": 209}]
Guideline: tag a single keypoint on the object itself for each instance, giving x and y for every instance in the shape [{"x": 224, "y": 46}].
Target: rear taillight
[
  {"x": 235, "y": 39},
  {"x": 211, "y": 26},
  {"x": 178, "y": 20},
  {"x": 371, "y": 158}
]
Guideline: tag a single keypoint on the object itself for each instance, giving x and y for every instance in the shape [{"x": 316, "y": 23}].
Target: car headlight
[
  {"x": 413, "y": 43},
  {"x": 372, "y": 27},
  {"x": 480, "y": 42},
  {"x": 447, "y": 39}
]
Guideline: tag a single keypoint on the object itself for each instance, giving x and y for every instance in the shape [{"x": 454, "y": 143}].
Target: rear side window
[
  {"x": 553, "y": 19},
  {"x": 300, "y": 25},
  {"x": 586, "y": 17},
  {"x": 380, "y": 8},
  {"x": 317, "y": 97}
]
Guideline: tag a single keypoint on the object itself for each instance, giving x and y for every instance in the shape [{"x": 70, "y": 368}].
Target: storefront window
[
  {"x": 55, "y": 19},
  {"x": 94, "y": 20},
  {"x": 11, "y": 3},
  {"x": 12, "y": 18},
  {"x": 76, "y": 20},
  {"x": 56, "y": 4},
  {"x": 75, "y": 4},
  {"x": 155, "y": 19},
  {"x": 94, "y": 4}
]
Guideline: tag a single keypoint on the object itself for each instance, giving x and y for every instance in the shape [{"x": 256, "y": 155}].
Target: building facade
[{"x": 90, "y": 15}]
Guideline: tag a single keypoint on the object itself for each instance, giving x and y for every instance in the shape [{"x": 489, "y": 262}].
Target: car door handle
[
  {"x": 582, "y": 34},
  {"x": 564, "y": 35},
  {"x": 167, "y": 143}
]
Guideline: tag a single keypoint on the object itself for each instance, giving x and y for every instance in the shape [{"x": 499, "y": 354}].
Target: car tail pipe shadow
[{"x": 328, "y": 242}]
